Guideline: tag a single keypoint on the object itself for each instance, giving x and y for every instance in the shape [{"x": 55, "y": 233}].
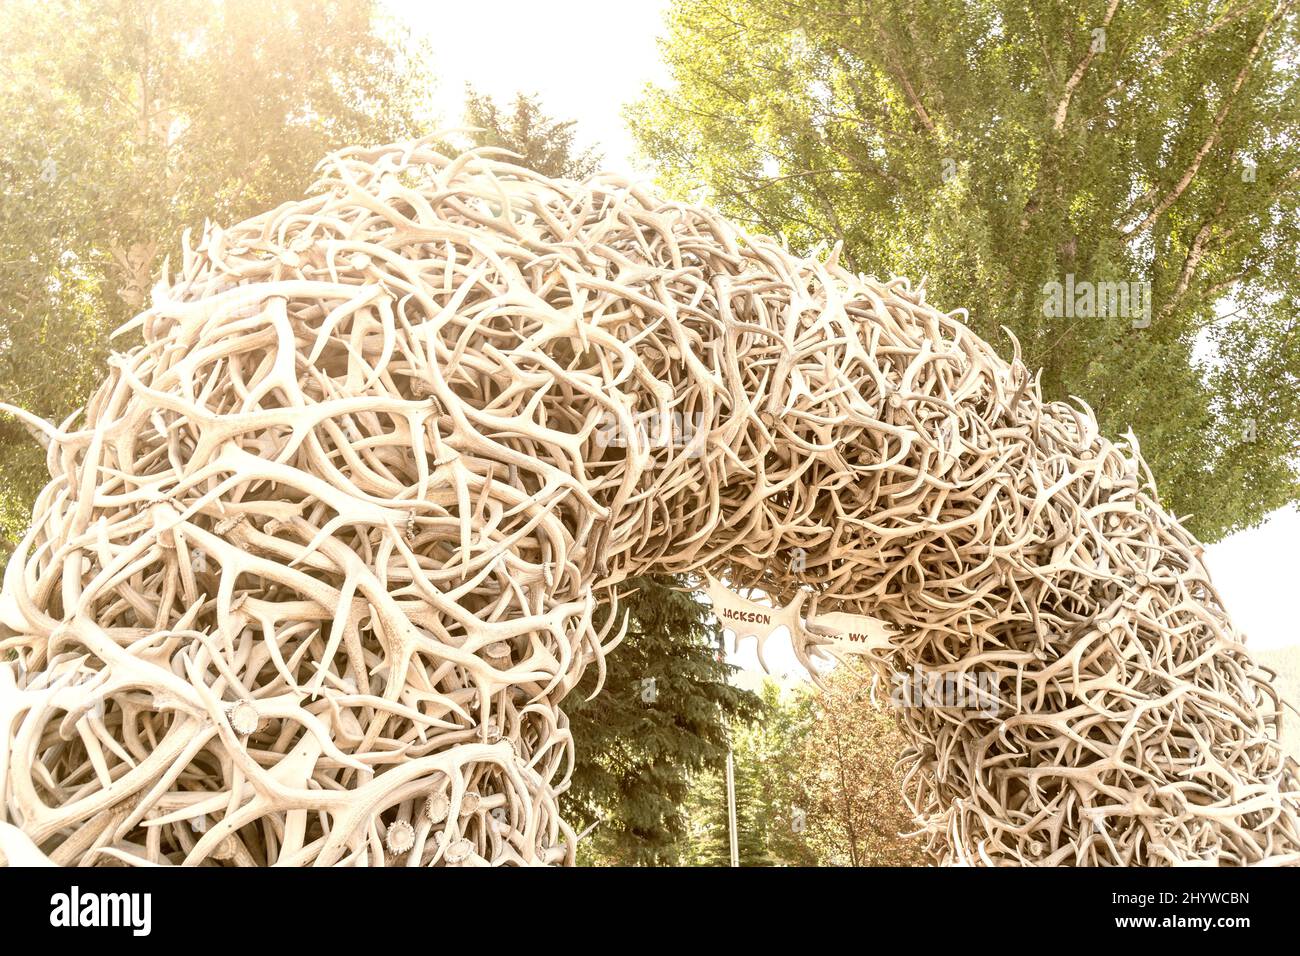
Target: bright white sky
[
  {"x": 589, "y": 58},
  {"x": 586, "y": 58}
]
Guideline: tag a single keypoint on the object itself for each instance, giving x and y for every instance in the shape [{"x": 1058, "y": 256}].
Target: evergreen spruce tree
[
  {"x": 548, "y": 145},
  {"x": 660, "y": 718}
]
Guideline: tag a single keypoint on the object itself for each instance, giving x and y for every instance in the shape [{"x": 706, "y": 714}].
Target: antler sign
[
  {"x": 834, "y": 634},
  {"x": 319, "y": 562}
]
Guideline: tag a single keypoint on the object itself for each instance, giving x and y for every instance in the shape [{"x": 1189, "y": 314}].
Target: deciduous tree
[
  {"x": 999, "y": 148},
  {"x": 130, "y": 121}
]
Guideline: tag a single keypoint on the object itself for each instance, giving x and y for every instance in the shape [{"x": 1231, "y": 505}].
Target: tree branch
[
  {"x": 900, "y": 74},
  {"x": 1216, "y": 130},
  {"x": 1079, "y": 71},
  {"x": 1194, "y": 254},
  {"x": 1230, "y": 16}
]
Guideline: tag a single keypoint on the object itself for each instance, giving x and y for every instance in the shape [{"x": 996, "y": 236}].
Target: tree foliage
[
  {"x": 548, "y": 145},
  {"x": 816, "y": 785},
  {"x": 660, "y": 718},
  {"x": 849, "y": 783},
  {"x": 995, "y": 148},
  {"x": 130, "y": 121},
  {"x": 766, "y": 756}
]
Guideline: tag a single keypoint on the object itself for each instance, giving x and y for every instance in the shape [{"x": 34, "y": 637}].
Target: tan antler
[{"x": 323, "y": 556}]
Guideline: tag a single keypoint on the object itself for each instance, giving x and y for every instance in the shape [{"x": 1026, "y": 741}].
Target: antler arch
[{"x": 323, "y": 556}]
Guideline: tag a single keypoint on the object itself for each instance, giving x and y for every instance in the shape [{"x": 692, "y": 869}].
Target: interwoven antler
[{"x": 322, "y": 557}]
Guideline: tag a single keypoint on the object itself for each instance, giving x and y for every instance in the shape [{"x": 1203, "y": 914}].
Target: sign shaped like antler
[{"x": 833, "y": 633}]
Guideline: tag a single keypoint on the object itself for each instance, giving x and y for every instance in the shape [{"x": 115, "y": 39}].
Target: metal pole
[{"x": 731, "y": 808}]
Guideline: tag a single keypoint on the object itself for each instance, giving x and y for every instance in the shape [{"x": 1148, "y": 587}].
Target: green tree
[
  {"x": 130, "y": 121},
  {"x": 659, "y": 719},
  {"x": 996, "y": 148},
  {"x": 769, "y": 752},
  {"x": 816, "y": 784},
  {"x": 547, "y": 145},
  {"x": 848, "y": 782},
  {"x": 759, "y": 787},
  {"x": 708, "y": 841}
]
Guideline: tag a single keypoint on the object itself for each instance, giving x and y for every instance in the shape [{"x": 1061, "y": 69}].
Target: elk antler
[{"x": 324, "y": 555}]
